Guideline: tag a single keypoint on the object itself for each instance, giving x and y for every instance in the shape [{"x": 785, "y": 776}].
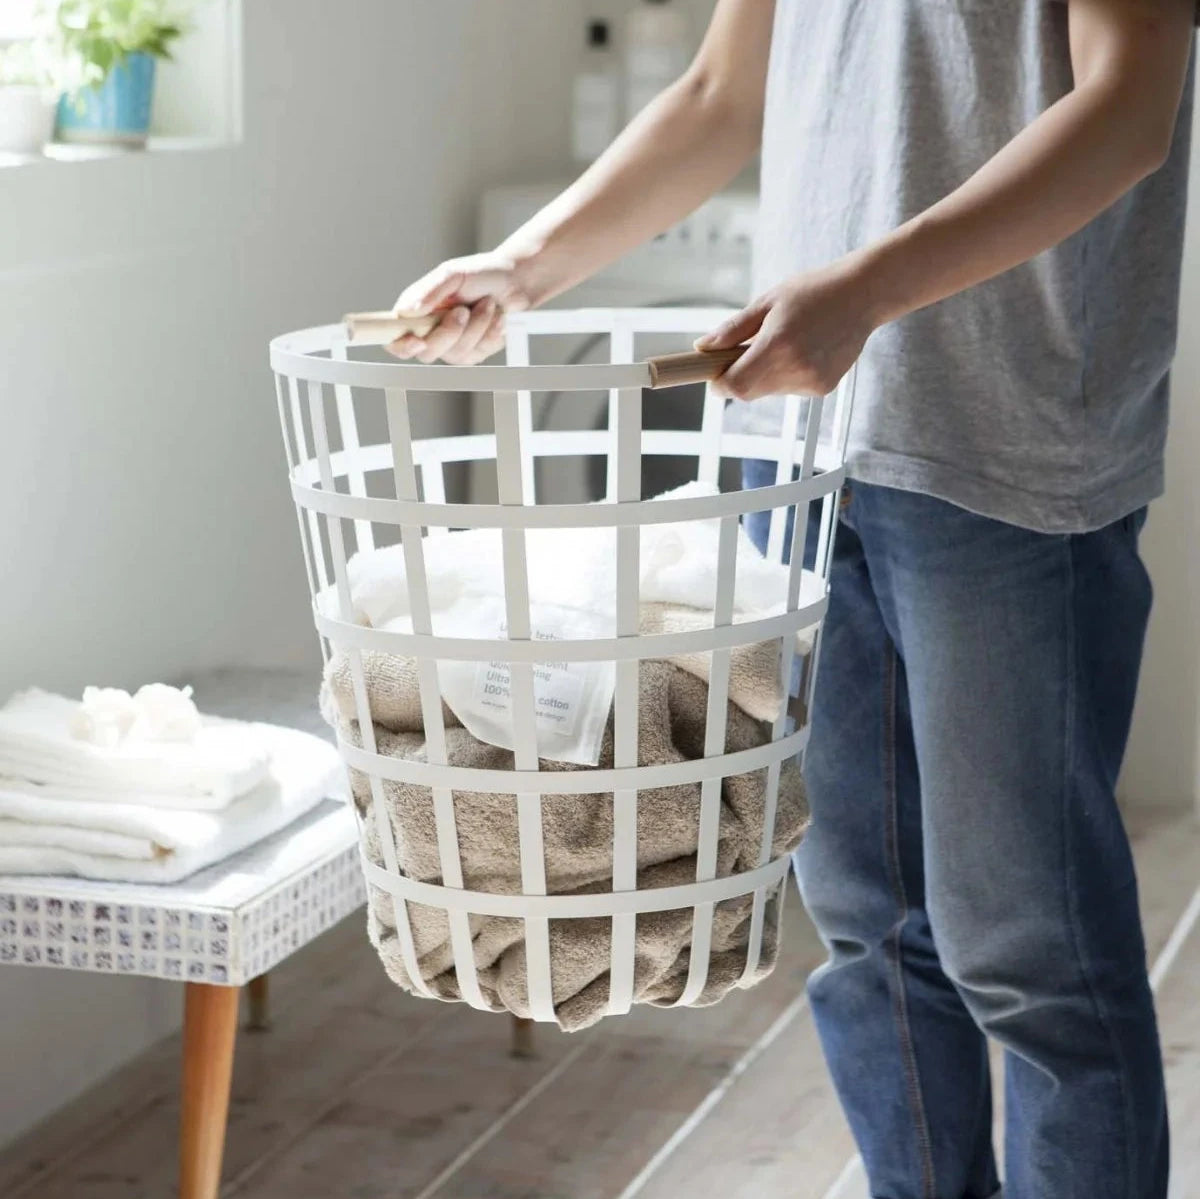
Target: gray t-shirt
[{"x": 1040, "y": 397}]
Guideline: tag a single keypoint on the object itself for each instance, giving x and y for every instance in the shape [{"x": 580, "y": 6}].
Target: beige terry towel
[
  {"x": 578, "y": 848},
  {"x": 754, "y": 682}
]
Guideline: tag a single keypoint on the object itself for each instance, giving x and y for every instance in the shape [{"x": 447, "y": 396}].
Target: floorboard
[
  {"x": 360, "y": 1092},
  {"x": 397, "y": 1126},
  {"x": 1179, "y": 1028},
  {"x": 591, "y": 1133},
  {"x": 778, "y": 1132}
]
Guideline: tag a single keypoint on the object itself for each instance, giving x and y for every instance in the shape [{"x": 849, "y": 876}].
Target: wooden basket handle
[
  {"x": 666, "y": 370},
  {"x": 694, "y": 366},
  {"x": 380, "y": 328}
]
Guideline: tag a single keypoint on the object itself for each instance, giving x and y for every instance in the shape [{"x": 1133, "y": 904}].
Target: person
[{"x": 981, "y": 204}]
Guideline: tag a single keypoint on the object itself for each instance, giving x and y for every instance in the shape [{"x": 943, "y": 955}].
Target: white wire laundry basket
[{"x": 330, "y": 391}]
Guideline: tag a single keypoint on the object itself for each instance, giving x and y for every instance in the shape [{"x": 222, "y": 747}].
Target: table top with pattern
[{"x": 225, "y": 924}]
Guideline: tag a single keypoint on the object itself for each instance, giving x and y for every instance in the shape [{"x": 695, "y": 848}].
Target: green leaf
[{"x": 93, "y": 36}]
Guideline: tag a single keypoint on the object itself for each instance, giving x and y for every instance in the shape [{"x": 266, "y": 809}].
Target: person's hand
[
  {"x": 471, "y": 294},
  {"x": 804, "y": 335}
]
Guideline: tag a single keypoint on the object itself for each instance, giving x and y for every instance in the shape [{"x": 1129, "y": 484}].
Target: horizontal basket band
[
  {"x": 345, "y": 635},
  {"x": 417, "y": 514},
  {"x": 585, "y": 781},
  {"x": 576, "y": 907},
  {"x": 562, "y": 443}
]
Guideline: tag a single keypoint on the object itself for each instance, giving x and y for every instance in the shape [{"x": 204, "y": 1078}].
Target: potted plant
[
  {"x": 113, "y": 46},
  {"x": 29, "y": 85}
]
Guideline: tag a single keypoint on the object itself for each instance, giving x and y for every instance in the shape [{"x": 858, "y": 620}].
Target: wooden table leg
[
  {"x": 521, "y": 1040},
  {"x": 258, "y": 1015},
  {"x": 209, "y": 1031}
]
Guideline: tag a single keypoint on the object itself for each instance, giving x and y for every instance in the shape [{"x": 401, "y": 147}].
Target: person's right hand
[{"x": 472, "y": 295}]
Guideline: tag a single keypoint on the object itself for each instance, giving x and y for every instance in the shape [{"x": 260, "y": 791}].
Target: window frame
[{"x": 18, "y": 27}]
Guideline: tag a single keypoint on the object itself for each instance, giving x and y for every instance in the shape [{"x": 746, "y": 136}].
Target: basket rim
[
  {"x": 296, "y": 356},
  {"x": 299, "y": 354}
]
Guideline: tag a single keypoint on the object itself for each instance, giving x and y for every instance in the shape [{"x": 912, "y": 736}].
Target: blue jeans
[{"x": 967, "y": 867}]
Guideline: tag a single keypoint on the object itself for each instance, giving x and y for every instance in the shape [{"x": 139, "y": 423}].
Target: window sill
[{"x": 58, "y": 153}]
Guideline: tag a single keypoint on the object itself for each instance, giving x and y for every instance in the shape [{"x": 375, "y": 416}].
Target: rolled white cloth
[
  {"x": 157, "y": 712},
  {"x": 39, "y": 743}
]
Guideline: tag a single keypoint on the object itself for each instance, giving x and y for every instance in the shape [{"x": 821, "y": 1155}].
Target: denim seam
[
  {"x": 1069, "y": 748},
  {"x": 908, "y": 1057}
]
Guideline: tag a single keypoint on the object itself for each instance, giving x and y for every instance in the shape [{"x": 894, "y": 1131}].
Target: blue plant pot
[{"x": 116, "y": 111}]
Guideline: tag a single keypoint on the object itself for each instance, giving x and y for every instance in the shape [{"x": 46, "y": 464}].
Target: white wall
[
  {"x": 1163, "y": 762},
  {"x": 146, "y": 528}
]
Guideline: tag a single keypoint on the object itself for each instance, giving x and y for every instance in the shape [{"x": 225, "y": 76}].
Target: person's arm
[
  {"x": 685, "y": 145},
  {"x": 1110, "y": 131}
]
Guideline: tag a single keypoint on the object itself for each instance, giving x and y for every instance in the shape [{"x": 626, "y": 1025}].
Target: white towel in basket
[
  {"x": 42, "y": 832},
  {"x": 224, "y": 759},
  {"x": 574, "y": 568},
  {"x": 754, "y": 677},
  {"x": 572, "y": 590}
]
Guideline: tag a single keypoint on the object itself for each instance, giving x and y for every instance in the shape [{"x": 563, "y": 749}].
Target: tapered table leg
[
  {"x": 209, "y": 1032},
  {"x": 258, "y": 1015},
  {"x": 521, "y": 1043}
]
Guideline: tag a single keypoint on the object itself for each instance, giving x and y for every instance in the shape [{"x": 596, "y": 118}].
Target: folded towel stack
[{"x": 142, "y": 788}]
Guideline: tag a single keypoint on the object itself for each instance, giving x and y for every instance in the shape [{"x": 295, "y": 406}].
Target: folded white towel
[
  {"x": 16, "y": 832},
  {"x": 44, "y": 833},
  {"x": 222, "y": 761},
  {"x": 570, "y": 568}
]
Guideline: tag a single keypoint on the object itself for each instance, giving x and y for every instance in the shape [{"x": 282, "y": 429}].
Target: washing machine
[{"x": 704, "y": 261}]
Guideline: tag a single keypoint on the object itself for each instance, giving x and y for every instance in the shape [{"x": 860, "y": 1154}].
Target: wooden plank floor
[
  {"x": 1179, "y": 1011},
  {"x": 360, "y": 1092}
]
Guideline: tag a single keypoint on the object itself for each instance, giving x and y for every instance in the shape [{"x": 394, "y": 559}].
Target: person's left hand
[{"x": 804, "y": 335}]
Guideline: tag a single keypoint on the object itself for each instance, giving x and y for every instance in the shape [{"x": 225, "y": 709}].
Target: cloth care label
[{"x": 571, "y": 700}]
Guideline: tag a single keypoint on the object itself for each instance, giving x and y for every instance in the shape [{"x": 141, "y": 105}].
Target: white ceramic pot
[{"x": 26, "y": 118}]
